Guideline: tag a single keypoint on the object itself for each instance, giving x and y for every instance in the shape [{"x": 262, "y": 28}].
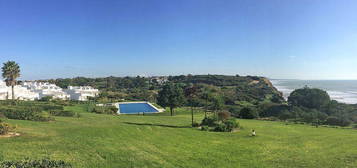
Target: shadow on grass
[{"x": 158, "y": 125}]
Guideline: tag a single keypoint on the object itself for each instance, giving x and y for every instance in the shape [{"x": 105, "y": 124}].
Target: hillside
[{"x": 237, "y": 88}]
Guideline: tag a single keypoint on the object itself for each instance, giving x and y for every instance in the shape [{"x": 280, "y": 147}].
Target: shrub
[
  {"x": 105, "y": 110},
  {"x": 195, "y": 124},
  {"x": 28, "y": 113},
  {"x": 46, "y": 98},
  {"x": 285, "y": 115},
  {"x": 209, "y": 121},
  {"x": 2, "y": 115},
  {"x": 4, "y": 128},
  {"x": 62, "y": 113},
  {"x": 205, "y": 128},
  {"x": 48, "y": 107},
  {"x": 272, "y": 109},
  {"x": 227, "y": 126},
  {"x": 248, "y": 113},
  {"x": 224, "y": 115},
  {"x": 231, "y": 124},
  {"x": 220, "y": 128},
  {"x": 338, "y": 121},
  {"x": 234, "y": 110},
  {"x": 77, "y": 115},
  {"x": 309, "y": 98},
  {"x": 27, "y": 163}
]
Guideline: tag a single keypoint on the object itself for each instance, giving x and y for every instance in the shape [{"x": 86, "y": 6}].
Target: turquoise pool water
[{"x": 134, "y": 108}]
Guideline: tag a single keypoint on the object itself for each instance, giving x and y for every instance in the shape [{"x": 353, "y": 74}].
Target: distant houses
[
  {"x": 3, "y": 90},
  {"x": 45, "y": 89},
  {"x": 81, "y": 93},
  {"x": 36, "y": 90}
]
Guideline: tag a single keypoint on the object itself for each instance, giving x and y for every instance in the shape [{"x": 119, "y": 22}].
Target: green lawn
[{"x": 163, "y": 141}]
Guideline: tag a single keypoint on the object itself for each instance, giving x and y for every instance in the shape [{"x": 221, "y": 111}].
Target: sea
[{"x": 344, "y": 91}]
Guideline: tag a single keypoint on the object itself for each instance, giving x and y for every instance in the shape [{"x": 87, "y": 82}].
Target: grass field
[{"x": 159, "y": 140}]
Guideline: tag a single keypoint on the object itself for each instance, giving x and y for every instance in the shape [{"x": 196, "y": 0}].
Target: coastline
[{"x": 340, "y": 90}]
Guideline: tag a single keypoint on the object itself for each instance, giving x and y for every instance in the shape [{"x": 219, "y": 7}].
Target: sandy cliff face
[{"x": 268, "y": 82}]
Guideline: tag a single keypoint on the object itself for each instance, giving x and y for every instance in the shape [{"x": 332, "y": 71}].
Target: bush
[
  {"x": 48, "y": 107},
  {"x": 105, "y": 110},
  {"x": 343, "y": 122},
  {"x": 234, "y": 110},
  {"x": 309, "y": 98},
  {"x": 2, "y": 115},
  {"x": 195, "y": 124},
  {"x": 62, "y": 113},
  {"x": 248, "y": 113},
  {"x": 209, "y": 121},
  {"x": 205, "y": 128},
  {"x": 220, "y": 128},
  {"x": 27, "y": 163},
  {"x": 28, "y": 113},
  {"x": 46, "y": 98},
  {"x": 272, "y": 109},
  {"x": 227, "y": 126},
  {"x": 231, "y": 124},
  {"x": 224, "y": 115},
  {"x": 4, "y": 128},
  {"x": 285, "y": 115},
  {"x": 77, "y": 115}
]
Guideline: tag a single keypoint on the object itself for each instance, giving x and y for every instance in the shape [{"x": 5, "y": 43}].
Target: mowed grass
[{"x": 160, "y": 140}]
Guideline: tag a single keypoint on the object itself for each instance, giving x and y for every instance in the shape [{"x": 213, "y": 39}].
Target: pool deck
[{"x": 158, "y": 110}]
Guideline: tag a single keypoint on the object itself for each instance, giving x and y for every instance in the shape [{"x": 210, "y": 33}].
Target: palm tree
[{"x": 10, "y": 72}]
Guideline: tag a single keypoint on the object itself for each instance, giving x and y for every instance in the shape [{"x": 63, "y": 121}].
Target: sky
[{"x": 280, "y": 39}]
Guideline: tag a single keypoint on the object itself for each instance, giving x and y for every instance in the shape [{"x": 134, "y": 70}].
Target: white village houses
[
  {"x": 46, "y": 89},
  {"x": 37, "y": 90},
  {"x": 81, "y": 92},
  {"x": 21, "y": 93}
]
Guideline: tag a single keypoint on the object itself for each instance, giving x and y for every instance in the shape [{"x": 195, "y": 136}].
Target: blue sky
[{"x": 300, "y": 39}]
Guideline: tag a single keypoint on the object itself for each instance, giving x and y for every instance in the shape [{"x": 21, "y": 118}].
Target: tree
[
  {"x": 191, "y": 93},
  {"x": 217, "y": 104},
  {"x": 248, "y": 113},
  {"x": 10, "y": 72},
  {"x": 309, "y": 98},
  {"x": 172, "y": 96},
  {"x": 206, "y": 96}
]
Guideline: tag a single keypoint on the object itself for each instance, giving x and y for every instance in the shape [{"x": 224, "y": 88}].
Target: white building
[
  {"x": 81, "y": 93},
  {"x": 3, "y": 90},
  {"x": 46, "y": 89},
  {"x": 21, "y": 93},
  {"x": 37, "y": 90}
]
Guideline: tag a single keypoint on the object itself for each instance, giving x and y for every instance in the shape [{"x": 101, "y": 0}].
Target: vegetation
[
  {"x": 25, "y": 113},
  {"x": 96, "y": 140},
  {"x": 171, "y": 96},
  {"x": 33, "y": 110},
  {"x": 105, "y": 110},
  {"x": 248, "y": 113},
  {"x": 227, "y": 125},
  {"x": 233, "y": 89},
  {"x": 63, "y": 113},
  {"x": 191, "y": 93},
  {"x": 310, "y": 98},
  {"x": 4, "y": 128},
  {"x": 10, "y": 72},
  {"x": 222, "y": 122}
]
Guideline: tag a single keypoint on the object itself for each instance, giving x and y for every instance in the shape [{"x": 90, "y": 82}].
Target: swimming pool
[{"x": 135, "y": 108}]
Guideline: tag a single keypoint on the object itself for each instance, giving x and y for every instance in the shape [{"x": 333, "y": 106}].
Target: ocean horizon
[{"x": 344, "y": 91}]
